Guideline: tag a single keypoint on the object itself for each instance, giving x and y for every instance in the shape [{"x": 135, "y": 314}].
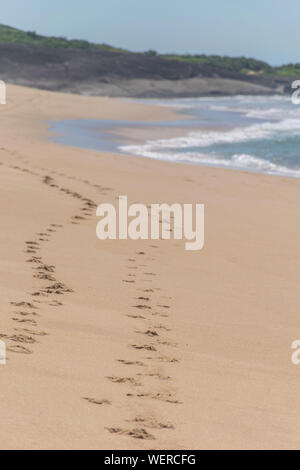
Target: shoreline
[
  {"x": 217, "y": 372},
  {"x": 151, "y": 139}
]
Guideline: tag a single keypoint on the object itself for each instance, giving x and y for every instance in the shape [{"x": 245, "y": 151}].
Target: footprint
[
  {"x": 35, "y": 259},
  {"x": 24, "y": 304},
  {"x": 46, "y": 268},
  {"x": 23, "y": 320},
  {"x": 57, "y": 288},
  {"x": 32, "y": 243},
  {"x": 166, "y": 397},
  {"x": 152, "y": 423},
  {"x": 136, "y": 433},
  {"x": 25, "y": 314},
  {"x": 151, "y": 333},
  {"x": 157, "y": 376},
  {"x": 38, "y": 294},
  {"x": 166, "y": 359},
  {"x": 22, "y": 339},
  {"x": 124, "y": 380},
  {"x": 19, "y": 349},
  {"x": 147, "y": 347},
  {"x": 131, "y": 363},
  {"x": 167, "y": 343},
  {"x": 137, "y": 317},
  {"x": 96, "y": 401},
  {"x": 32, "y": 332},
  {"x": 55, "y": 303},
  {"x": 45, "y": 277}
]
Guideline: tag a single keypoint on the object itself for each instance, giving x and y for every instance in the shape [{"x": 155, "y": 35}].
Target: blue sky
[{"x": 265, "y": 29}]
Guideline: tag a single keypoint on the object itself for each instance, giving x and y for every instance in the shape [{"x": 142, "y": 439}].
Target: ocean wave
[
  {"x": 265, "y": 130},
  {"x": 277, "y": 123},
  {"x": 237, "y": 161},
  {"x": 181, "y": 149}
]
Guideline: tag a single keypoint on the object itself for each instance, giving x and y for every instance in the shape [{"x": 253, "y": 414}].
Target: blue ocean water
[
  {"x": 260, "y": 134},
  {"x": 243, "y": 132}
]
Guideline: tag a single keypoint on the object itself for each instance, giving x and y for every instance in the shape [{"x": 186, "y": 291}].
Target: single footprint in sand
[
  {"x": 44, "y": 277},
  {"x": 23, "y": 320},
  {"x": 24, "y": 304},
  {"x": 151, "y": 333},
  {"x": 26, "y": 314},
  {"x": 124, "y": 380},
  {"x": 136, "y": 317},
  {"x": 19, "y": 349},
  {"x": 166, "y": 397},
  {"x": 47, "y": 268},
  {"x": 55, "y": 303},
  {"x": 163, "y": 315},
  {"x": 131, "y": 363},
  {"x": 22, "y": 339},
  {"x": 152, "y": 423},
  {"x": 35, "y": 259},
  {"x": 166, "y": 359},
  {"x": 147, "y": 347},
  {"x": 136, "y": 433},
  {"x": 31, "y": 332},
  {"x": 97, "y": 401}
]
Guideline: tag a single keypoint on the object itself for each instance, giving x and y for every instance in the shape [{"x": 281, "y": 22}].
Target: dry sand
[{"x": 83, "y": 369}]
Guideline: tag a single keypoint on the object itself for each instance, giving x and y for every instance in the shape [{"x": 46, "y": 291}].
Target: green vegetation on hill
[
  {"x": 17, "y": 36},
  {"x": 289, "y": 70},
  {"x": 234, "y": 64},
  {"x": 244, "y": 65}
]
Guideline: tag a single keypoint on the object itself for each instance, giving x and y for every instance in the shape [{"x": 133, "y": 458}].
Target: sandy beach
[{"x": 141, "y": 344}]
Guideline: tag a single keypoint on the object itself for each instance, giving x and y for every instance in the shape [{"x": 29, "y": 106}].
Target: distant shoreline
[
  {"x": 145, "y": 88},
  {"x": 135, "y": 75}
]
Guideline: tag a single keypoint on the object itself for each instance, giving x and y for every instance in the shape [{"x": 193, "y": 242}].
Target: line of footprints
[
  {"x": 26, "y": 313},
  {"x": 148, "y": 316}
]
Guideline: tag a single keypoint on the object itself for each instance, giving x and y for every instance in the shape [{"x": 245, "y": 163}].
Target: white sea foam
[
  {"x": 165, "y": 149},
  {"x": 237, "y": 161},
  {"x": 276, "y": 119},
  {"x": 265, "y": 130}
]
